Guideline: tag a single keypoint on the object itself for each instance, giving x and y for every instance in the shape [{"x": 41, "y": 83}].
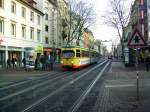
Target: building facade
[{"x": 20, "y": 28}]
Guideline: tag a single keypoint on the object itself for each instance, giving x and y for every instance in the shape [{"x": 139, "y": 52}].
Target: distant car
[{"x": 109, "y": 57}]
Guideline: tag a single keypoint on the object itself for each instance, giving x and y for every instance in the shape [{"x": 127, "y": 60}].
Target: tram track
[
  {"x": 35, "y": 90},
  {"x": 81, "y": 99},
  {"x": 60, "y": 92},
  {"x": 7, "y": 90}
]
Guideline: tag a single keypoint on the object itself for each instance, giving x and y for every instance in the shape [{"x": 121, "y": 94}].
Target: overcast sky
[{"x": 100, "y": 30}]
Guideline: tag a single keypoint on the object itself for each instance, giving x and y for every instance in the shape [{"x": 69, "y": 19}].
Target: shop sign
[
  {"x": 39, "y": 48},
  {"x": 29, "y": 49},
  {"x": 2, "y": 48},
  {"x": 48, "y": 49},
  {"x": 14, "y": 49}
]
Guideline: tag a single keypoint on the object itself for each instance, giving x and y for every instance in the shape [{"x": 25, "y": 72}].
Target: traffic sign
[{"x": 136, "y": 40}]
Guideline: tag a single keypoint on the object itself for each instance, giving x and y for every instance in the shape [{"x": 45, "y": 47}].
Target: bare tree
[
  {"x": 118, "y": 17},
  {"x": 80, "y": 15}
]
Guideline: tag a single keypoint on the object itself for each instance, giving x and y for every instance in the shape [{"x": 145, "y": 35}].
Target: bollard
[{"x": 137, "y": 82}]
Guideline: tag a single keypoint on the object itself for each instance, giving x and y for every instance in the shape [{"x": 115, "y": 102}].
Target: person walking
[
  {"x": 13, "y": 62},
  {"x": 51, "y": 59},
  {"x": 8, "y": 63},
  {"x": 147, "y": 61},
  {"x": 24, "y": 62},
  {"x": 43, "y": 62},
  {"x": 36, "y": 64}
]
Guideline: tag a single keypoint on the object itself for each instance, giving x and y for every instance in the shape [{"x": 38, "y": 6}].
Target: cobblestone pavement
[{"x": 120, "y": 91}]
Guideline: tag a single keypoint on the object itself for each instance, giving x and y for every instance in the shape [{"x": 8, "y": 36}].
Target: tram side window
[
  {"x": 77, "y": 53},
  {"x": 85, "y": 54}
]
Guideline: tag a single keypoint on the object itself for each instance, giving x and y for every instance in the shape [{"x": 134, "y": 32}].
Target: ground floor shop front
[
  {"x": 18, "y": 53},
  {"x": 10, "y": 52}
]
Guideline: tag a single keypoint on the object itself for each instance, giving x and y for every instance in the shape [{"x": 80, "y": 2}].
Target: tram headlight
[
  {"x": 62, "y": 62},
  {"x": 72, "y": 62}
]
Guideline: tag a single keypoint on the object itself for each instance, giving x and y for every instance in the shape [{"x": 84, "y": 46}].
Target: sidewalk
[
  {"x": 8, "y": 76},
  {"x": 121, "y": 84}
]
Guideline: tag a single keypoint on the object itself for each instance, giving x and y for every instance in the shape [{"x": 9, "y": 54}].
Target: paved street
[
  {"x": 97, "y": 88},
  {"x": 8, "y": 76},
  {"x": 119, "y": 90}
]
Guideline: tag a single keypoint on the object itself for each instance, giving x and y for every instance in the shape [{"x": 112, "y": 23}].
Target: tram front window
[{"x": 68, "y": 54}]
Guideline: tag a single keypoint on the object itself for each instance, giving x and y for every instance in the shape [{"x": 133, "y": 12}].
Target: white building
[
  {"x": 51, "y": 35},
  {"x": 20, "y": 28}
]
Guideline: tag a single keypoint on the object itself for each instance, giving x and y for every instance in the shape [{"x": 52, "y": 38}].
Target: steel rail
[
  {"x": 42, "y": 100},
  {"x": 30, "y": 88},
  {"x": 79, "y": 101},
  {"x": 25, "y": 81},
  {"x": 37, "y": 85}
]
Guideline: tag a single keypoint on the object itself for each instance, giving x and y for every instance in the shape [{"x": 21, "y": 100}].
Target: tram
[{"x": 77, "y": 57}]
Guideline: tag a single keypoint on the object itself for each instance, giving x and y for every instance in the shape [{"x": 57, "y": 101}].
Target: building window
[
  {"x": 1, "y": 26},
  {"x": 23, "y": 12},
  {"x": 39, "y": 19},
  {"x": 46, "y": 16},
  {"x": 46, "y": 40},
  {"x": 46, "y": 28},
  {"x": 39, "y": 35},
  {"x": 13, "y": 7},
  {"x": 32, "y": 33},
  {"x": 1, "y": 3},
  {"x": 31, "y": 16},
  {"x": 13, "y": 29},
  {"x": 23, "y": 31}
]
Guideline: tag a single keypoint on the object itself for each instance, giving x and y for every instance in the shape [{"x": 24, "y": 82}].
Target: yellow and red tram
[{"x": 77, "y": 57}]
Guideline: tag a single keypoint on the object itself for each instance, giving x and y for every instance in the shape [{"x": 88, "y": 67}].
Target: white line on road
[{"x": 118, "y": 85}]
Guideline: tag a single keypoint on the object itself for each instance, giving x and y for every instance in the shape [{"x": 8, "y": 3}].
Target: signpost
[{"x": 136, "y": 42}]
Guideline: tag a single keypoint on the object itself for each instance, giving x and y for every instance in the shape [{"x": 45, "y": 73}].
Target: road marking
[{"x": 119, "y": 85}]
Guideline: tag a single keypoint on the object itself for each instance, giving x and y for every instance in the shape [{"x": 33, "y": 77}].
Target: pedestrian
[
  {"x": 36, "y": 64},
  {"x": 24, "y": 62},
  {"x": 8, "y": 63},
  {"x": 147, "y": 62},
  {"x": 51, "y": 59},
  {"x": 13, "y": 62},
  {"x": 43, "y": 62}
]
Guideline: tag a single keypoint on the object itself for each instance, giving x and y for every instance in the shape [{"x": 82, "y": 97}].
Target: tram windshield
[{"x": 68, "y": 53}]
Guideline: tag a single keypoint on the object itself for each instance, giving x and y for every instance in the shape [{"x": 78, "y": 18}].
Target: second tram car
[{"x": 76, "y": 57}]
